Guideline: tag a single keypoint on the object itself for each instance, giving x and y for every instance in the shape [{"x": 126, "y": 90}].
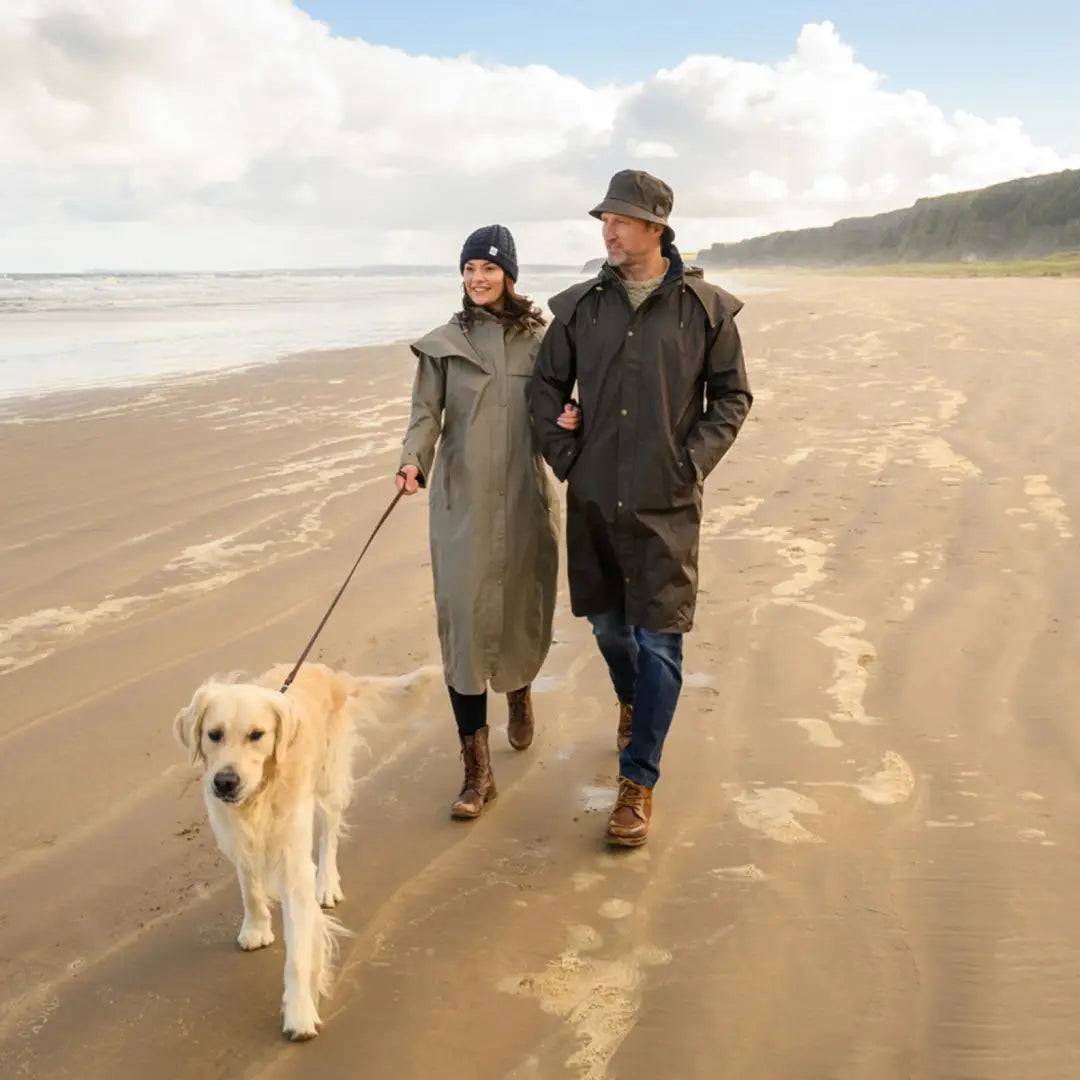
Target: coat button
[
  {"x": 629, "y": 333},
  {"x": 620, "y": 504},
  {"x": 622, "y": 411}
]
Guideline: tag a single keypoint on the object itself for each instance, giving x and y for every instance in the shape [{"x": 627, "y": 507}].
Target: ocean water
[{"x": 77, "y": 331}]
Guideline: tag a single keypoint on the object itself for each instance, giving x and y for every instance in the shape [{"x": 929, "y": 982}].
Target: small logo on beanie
[{"x": 493, "y": 251}]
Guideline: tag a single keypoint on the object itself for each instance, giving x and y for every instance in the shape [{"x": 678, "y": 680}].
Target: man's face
[{"x": 628, "y": 239}]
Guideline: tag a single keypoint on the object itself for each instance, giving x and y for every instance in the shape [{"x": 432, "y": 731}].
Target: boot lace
[{"x": 631, "y": 795}]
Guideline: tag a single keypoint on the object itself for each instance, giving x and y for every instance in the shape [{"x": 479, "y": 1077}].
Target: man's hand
[
  {"x": 407, "y": 479},
  {"x": 570, "y": 417}
]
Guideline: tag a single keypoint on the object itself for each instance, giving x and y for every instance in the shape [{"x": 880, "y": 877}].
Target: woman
[{"x": 493, "y": 521}]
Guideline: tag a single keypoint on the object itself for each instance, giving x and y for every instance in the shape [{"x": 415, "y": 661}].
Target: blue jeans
[{"x": 646, "y": 671}]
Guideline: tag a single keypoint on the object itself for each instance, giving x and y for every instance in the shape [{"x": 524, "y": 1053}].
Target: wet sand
[{"x": 864, "y": 861}]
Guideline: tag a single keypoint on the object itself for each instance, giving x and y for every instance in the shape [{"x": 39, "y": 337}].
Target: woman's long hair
[{"x": 517, "y": 311}]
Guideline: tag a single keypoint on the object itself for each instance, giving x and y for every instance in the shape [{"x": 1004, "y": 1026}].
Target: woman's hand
[
  {"x": 570, "y": 417},
  {"x": 407, "y": 479}
]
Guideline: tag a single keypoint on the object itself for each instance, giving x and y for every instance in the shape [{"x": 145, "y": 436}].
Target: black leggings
[{"x": 470, "y": 711}]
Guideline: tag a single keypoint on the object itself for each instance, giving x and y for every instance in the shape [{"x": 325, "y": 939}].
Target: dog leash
[{"x": 333, "y": 604}]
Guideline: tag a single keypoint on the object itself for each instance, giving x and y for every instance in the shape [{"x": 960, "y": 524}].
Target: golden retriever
[{"x": 270, "y": 763}]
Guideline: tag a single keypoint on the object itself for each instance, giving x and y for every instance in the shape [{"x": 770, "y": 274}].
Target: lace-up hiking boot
[
  {"x": 520, "y": 722},
  {"x": 478, "y": 787},
  {"x": 628, "y": 825}
]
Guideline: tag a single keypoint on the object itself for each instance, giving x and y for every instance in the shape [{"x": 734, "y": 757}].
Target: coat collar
[
  {"x": 718, "y": 303},
  {"x": 449, "y": 340}
]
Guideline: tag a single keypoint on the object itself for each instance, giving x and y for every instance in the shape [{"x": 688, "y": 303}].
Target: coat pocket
[{"x": 684, "y": 477}]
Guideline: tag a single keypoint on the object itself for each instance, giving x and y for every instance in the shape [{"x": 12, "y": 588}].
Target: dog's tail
[
  {"x": 382, "y": 685},
  {"x": 328, "y": 934},
  {"x": 371, "y": 697}
]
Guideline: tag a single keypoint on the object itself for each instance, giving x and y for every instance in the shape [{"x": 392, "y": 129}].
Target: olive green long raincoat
[{"x": 493, "y": 521}]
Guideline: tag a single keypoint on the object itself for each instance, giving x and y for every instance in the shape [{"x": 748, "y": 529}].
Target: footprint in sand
[
  {"x": 854, "y": 656},
  {"x": 932, "y": 559},
  {"x": 1048, "y": 505},
  {"x": 893, "y": 783},
  {"x": 616, "y": 908},
  {"x": 1036, "y": 836},
  {"x": 599, "y": 999},
  {"x": 716, "y": 521},
  {"x": 772, "y": 811},
  {"x": 746, "y": 872},
  {"x": 582, "y": 938},
  {"x": 584, "y": 880},
  {"x": 596, "y": 798},
  {"x": 819, "y": 732},
  {"x": 699, "y": 680}
]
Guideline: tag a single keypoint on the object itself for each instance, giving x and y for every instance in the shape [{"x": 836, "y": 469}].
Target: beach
[{"x": 864, "y": 852}]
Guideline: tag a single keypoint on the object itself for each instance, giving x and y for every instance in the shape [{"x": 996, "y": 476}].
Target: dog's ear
[
  {"x": 188, "y": 725},
  {"x": 286, "y": 725}
]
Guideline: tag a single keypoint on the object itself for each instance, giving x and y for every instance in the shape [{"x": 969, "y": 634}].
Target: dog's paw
[
  {"x": 301, "y": 1020},
  {"x": 255, "y": 937},
  {"x": 328, "y": 892}
]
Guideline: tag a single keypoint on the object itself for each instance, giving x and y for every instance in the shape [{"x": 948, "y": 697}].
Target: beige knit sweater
[{"x": 639, "y": 291}]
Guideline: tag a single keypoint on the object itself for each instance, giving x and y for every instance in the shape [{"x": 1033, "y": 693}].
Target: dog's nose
[{"x": 226, "y": 783}]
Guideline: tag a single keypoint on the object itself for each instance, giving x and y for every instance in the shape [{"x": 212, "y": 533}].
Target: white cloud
[
  {"x": 205, "y": 134},
  {"x": 647, "y": 149}
]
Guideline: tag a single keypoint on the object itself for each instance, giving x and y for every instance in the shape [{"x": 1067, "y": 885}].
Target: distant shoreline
[
  {"x": 1052, "y": 266},
  {"x": 113, "y": 395},
  {"x": 1066, "y": 265}
]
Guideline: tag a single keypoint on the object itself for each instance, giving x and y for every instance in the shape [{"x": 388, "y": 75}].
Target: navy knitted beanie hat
[{"x": 495, "y": 244}]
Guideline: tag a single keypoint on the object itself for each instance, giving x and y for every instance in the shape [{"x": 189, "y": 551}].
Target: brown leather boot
[
  {"x": 519, "y": 727},
  {"x": 479, "y": 785},
  {"x": 626, "y": 719},
  {"x": 628, "y": 825}
]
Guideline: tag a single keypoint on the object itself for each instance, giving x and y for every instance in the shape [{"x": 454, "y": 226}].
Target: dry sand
[{"x": 864, "y": 862}]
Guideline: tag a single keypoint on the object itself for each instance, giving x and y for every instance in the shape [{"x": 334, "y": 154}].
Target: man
[{"x": 656, "y": 357}]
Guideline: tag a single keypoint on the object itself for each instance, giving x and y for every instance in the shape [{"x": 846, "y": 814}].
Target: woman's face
[{"x": 484, "y": 282}]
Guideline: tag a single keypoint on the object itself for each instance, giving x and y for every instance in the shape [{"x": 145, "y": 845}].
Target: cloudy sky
[{"x": 215, "y": 134}]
